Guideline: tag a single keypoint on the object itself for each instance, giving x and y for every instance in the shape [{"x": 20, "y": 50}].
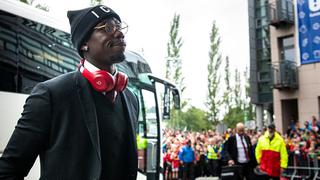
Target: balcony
[
  {"x": 281, "y": 13},
  {"x": 285, "y": 75}
]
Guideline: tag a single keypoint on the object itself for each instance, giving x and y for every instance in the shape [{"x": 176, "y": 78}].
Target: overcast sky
[{"x": 149, "y": 24}]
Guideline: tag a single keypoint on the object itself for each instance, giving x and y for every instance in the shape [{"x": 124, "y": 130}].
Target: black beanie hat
[{"x": 82, "y": 22}]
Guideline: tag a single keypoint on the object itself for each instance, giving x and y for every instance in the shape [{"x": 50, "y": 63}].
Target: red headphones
[{"x": 103, "y": 81}]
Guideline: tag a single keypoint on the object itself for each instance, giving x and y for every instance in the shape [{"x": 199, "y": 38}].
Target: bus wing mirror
[{"x": 176, "y": 98}]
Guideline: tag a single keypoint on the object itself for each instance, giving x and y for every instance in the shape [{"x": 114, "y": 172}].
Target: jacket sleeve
[
  {"x": 283, "y": 155},
  {"x": 29, "y": 137},
  {"x": 258, "y": 151},
  {"x": 226, "y": 150}
]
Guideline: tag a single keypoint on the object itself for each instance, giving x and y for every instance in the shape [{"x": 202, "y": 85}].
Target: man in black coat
[
  {"x": 239, "y": 151},
  {"x": 81, "y": 124}
]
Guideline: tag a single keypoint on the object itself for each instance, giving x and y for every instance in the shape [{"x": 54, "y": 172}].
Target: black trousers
[
  {"x": 215, "y": 167},
  {"x": 188, "y": 171},
  {"x": 246, "y": 171}
]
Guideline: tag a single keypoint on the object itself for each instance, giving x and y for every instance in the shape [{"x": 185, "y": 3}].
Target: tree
[
  {"x": 248, "y": 107},
  {"x": 237, "y": 89},
  {"x": 39, "y": 6},
  {"x": 233, "y": 116},
  {"x": 227, "y": 93},
  {"x": 42, "y": 7},
  {"x": 235, "y": 113},
  {"x": 174, "y": 67},
  {"x": 96, "y": 2},
  {"x": 242, "y": 108},
  {"x": 173, "y": 61},
  {"x": 214, "y": 100},
  {"x": 195, "y": 119}
]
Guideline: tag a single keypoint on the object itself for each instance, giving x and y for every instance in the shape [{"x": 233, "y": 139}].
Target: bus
[{"x": 34, "y": 47}]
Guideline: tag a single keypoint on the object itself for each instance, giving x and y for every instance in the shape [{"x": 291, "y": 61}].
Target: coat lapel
[
  {"x": 131, "y": 115},
  {"x": 88, "y": 111}
]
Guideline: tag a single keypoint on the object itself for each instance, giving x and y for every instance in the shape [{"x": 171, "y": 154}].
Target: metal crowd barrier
[{"x": 302, "y": 166}]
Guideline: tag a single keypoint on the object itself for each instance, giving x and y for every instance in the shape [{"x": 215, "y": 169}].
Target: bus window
[{"x": 150, "y": 113}]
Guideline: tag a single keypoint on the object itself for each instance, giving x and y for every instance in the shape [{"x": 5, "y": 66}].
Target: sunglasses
[{"x": 112, "y": 26}]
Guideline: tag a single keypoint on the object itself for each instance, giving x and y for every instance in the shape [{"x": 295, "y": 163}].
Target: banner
[{"x": 308, "y": 18}]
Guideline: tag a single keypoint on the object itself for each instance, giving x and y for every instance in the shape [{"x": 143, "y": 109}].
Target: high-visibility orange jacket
[{"x": 271, "y": 155}]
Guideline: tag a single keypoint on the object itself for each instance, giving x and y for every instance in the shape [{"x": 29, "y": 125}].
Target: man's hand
[{"x": 230, "y": 162}]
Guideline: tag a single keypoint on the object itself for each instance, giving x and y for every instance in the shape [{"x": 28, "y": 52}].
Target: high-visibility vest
[
  {"x": 142, "y": 143},
  {"x": 213, "y": 152}
]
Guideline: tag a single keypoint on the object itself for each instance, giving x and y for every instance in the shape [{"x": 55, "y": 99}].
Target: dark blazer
[
  {"x": 231, "y": 151},
  {"x": 59, "y": 124}
]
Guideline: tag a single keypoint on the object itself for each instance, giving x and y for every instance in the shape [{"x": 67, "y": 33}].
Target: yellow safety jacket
[
  {"x": 271, "y": 155},
  {"x": 213, "y": 152}
]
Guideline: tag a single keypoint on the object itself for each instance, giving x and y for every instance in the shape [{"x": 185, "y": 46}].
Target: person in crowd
[
  {"x": 271, "y": 154},
  {"x": 239, "y": 151},
  {"x": 214, "y": 156},
  {"x": 315, "y": 125},
  {"x": 175, "y": 161},
  {"x": 201, "y": 168},
  {"x": 187, "y": 158},
  {"x": 229, "y": 133},
  {"x": 167, "y": 165},
  {"x": 81, "y": 124}
]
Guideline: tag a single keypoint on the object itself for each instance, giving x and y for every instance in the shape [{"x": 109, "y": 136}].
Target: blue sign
[{"x": 308, "y": 14}]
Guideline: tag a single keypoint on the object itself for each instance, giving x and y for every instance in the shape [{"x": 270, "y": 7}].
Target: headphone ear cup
[
  {"x": 103, "y": 80},
  {"x": 121, "y": 81},
  {"x": 100, "y": 80}
]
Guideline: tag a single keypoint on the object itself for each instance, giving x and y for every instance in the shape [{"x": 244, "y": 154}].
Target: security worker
[
  {"x": 271, "y": 154},
  {"x": 214, "y": 156}
]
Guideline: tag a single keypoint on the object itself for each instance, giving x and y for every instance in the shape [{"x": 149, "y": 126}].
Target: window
[{"x": 286, "y": 47}]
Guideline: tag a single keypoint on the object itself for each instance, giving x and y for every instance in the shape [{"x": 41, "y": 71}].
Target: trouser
[
  {"x": 188, "y": 171},
  {"x": 214, "y": 166},
  {"x": 246, "y": 171}
]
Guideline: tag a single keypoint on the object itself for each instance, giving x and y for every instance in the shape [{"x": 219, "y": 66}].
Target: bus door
[{"x": 148, "y": 135}]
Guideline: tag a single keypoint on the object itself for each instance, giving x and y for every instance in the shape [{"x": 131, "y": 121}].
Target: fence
[{"x": 302, "y": 166}]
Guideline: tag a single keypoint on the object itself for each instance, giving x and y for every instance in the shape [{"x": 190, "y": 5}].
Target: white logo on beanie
[
  {"x": 103, "y": 8},
  {"x": 94, "y": 13}
]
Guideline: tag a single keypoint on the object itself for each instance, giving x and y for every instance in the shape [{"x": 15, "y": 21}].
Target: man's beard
[{"x": 117, "y": 58}]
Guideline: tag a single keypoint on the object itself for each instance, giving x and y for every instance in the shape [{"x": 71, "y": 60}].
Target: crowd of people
[{"x": 187, "y": 154}]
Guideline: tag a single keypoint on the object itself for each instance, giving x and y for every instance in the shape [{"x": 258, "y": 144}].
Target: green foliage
[
  {"x": 193, "y": 119},
  {"x": 174, "y": 69},
  {"x": 96, "y": 2},
  {"x": 214, "y": 102},
  {"x": 196, "y": 119},
  {"x": 25, "y": 1},
  {"x": 237, "y": 89},
  {"x": 250, "y": 113},
  {"x": 234, "y": 115},
  {"x": 227, "y": 93},
  {"x": 241, "y": 108},
  {"x": 173, "y": 60},
  {"x": 42, "y": 7},
  {"x": 39, "y": 6}
]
